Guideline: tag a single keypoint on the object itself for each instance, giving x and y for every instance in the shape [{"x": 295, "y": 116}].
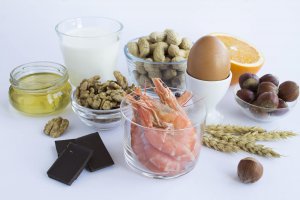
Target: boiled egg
[{"x": 209, "y": 60}]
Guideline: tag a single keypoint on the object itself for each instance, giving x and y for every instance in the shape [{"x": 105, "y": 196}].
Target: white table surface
[{"x": 27, "y": 34}]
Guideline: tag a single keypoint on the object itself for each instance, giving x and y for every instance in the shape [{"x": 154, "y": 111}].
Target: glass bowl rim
[
  {"x": 237, "y": 87},
  {"x": 59, "y": 32},
  {"x": 132, "y": 57},
  {"x": 202, "y": 99}
]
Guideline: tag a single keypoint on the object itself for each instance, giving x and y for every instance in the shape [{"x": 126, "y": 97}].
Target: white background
[{"x": 27, "y": 34}]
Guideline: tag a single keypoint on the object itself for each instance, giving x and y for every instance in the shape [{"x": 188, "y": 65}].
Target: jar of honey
[{"x": 39, "y": 88}]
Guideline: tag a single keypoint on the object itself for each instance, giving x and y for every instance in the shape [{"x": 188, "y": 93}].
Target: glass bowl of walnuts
[
  {"x": 264, "y": 99},
  {"x": 158, "y": 55},
  {"x": 98, "y": 104}
]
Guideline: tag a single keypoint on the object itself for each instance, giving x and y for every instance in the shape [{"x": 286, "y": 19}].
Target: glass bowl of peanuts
[{"x": 159, "y": 55}]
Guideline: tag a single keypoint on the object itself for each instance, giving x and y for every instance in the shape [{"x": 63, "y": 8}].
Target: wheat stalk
[
  {"x": 219, "y": 145},
  {"x": 231, "y": 143},
  {"x": 234, "y": 129},
  {"x": 258, "y": 149},
  {"x": 272, "y": 135},
  {"x": 231, "y": 138}
]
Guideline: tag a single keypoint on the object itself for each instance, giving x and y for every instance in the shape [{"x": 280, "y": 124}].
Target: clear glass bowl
[
  {"x": 141, "y": 71},
  {"x": 262, "y": 114},
  {"x": 99, "y": 119},
  {"x": 161, "y": 153}
]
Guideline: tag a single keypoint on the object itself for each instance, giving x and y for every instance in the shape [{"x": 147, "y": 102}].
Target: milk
[{"x": 88, "y": 52}]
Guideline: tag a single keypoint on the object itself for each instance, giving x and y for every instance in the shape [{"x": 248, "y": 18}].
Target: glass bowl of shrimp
[{"x": 163, "y": 130}]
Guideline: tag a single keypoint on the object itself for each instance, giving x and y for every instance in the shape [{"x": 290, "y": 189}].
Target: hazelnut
[
  {"x": 281, "y": 104},
  {"x": 269, "y": 78},
  {"x": 246, "y": 95},
  {"x": 266, "y": 87},
  {"x": 288, "y": 91},
  {"x": 249, "y": 81},
  {"x": 267, "y": 100},
  {"x": 249, "y": 170}
]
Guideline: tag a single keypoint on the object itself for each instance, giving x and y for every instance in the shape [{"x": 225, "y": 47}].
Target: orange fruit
[{"x": 244, "y": 57}]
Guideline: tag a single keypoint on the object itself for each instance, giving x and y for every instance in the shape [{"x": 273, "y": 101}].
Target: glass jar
[{"x": 39, "y": 88}]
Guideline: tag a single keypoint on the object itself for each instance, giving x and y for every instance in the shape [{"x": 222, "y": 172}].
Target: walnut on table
[{"x": 56, "y": 127}]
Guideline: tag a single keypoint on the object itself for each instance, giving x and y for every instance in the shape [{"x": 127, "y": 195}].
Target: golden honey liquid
[{"x": 40, "y": 96}]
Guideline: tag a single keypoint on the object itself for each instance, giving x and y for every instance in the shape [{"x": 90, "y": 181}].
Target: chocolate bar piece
[
  {"x": 61, "y": 145},
  {"x": 70, "y": 163},
  {"x": 100, "y": 157}
]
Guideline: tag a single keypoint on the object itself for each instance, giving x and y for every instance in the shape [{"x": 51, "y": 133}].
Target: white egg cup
[{"x": 212, "y": 92}]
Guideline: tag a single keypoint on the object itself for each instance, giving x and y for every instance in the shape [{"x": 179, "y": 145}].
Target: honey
[{"x": 40, "y": 88}]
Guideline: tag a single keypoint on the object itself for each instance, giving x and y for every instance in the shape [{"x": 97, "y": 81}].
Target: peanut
[
  {"x": 147, "y": 66},
  {"x": 144, "y": 47},
  {"x": 154, "y": 74},
  {"x": 164, "y": 66},
  {"x": 144, "y": 81},
  {"x": 159, "y": 52},
  {"x": 178, "y": 80},
  {"x": 173, "y": 37},
  {"x": 133, "y": 48},
  {"x": 136, "y": 74},
  {"x": 157, "y": 37},
  {"x": 169, "y": 74},
  {"x": 179, "y": 66},
  {"x": 140, "y": 68},
  {"x": 186, "y": 44},
  {"x": 174, "y": 51}
]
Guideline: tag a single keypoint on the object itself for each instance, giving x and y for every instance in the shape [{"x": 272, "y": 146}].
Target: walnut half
[{"x": 56, "y": 127}]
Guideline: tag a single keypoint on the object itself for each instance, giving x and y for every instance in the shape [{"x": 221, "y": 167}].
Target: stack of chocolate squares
[{"x": 76, "y": 154}]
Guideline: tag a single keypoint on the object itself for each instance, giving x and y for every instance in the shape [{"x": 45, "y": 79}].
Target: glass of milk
[{"x": 90, "y": 46}]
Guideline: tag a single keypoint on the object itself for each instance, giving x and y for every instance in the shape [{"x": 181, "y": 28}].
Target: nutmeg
[
  {"x": 249, "y": 170},
  {"x": 288, "y": 91}
]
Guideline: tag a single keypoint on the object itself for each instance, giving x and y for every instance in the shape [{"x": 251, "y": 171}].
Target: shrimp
[
  {"x": 166, "y": 142},
  {"x": 150, "y": 157}
]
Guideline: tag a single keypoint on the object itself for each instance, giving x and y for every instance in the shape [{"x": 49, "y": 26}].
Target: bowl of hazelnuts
[{"x": 264, "y": 98}]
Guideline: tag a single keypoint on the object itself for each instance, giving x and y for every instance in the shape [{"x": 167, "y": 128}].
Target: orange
[{"x": 244, "y": 57}]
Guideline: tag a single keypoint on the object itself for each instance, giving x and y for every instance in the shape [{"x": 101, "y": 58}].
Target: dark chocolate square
[
  {"x": 70, "y": 163},
  {"x": 100, "y": 157},
  {"x": 61, "y": 145}
]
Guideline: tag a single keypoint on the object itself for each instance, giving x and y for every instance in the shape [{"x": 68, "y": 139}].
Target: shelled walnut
[{"x": 56, "y": 127}]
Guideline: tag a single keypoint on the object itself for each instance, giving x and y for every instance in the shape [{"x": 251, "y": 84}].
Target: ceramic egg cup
[{"x": 213, "y": 92}]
